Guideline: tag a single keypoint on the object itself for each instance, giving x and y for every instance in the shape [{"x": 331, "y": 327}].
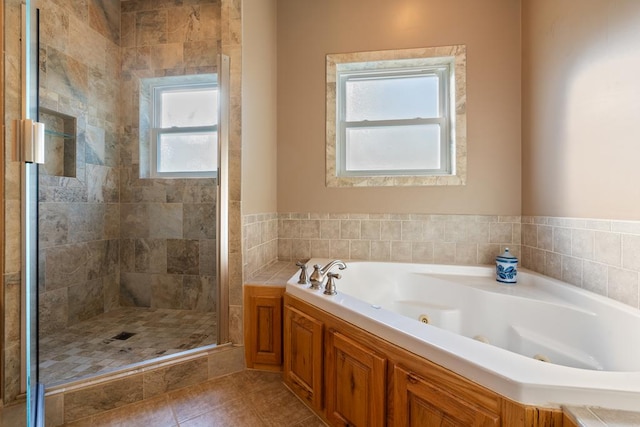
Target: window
[
  {"x": 183, "y": 126},
  {"x": 396, "y": 118}
]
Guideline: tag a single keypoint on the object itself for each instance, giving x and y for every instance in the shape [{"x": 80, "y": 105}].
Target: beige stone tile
[
  {"x": 608, "y": 248},
  {"x": 582, "y": 243},
  {"x": 14, "y": 416},
  {"x": 466, "y": 253},
  {"x": 455, "y": 231},
  {"x": 572, "y": 270},
  {"x": 390, "y": 230},
  {"x": 562, "y": 240},
  {"x": 360, "y": 249},
  {"x": 174, "y": 377},
  {"x": 631, "y": 252},
  {"x": 196, "y": 400},
  {"x": 481, "y": 233},
  {"x": 111, "y": 395},
  {"x": 226, "y": 361},
  {"x": 233, "y": 413},
  {"x": 412, "y": 231},
  {"x": 617, "y": 418},
  {"x": 487, "y": 253},
  {"x": 329, "y": 229},
  {"x": 401, "y": 251},
  {"x": 623, "y": 286},
  {"x": 152, "y": 412},
  {"x": 275, "y": 406},
  {"x": 380, "y": 250},
  {"x": 500, "y": 233},
  {"x": 422, "y": 252},
  {"x": 553, "y": 265},
  {"x": 320, "y": 248},
  {"x": 530, "y": 235},
  {"x": 350, "y": 229},
  {"x": 340, "y": 249},
  {"x": 370, "y": 229},
  {"x": 444, "y": 252},
  {"x": 594, "y": 277},
  {"x": 545, "y": 237}
]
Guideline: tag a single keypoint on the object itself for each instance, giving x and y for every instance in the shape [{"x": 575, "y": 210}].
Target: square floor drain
[{"x": 123, "y": 336}]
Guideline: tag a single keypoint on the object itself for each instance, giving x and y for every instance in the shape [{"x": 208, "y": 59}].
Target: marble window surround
[
  {"x": 599, "y": 255},
  {"x": 381, "y": 59}
]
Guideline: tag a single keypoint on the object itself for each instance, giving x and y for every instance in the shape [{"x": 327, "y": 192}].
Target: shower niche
[{"x": 60, "y": 143}]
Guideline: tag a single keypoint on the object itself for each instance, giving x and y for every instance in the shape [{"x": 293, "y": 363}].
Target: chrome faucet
[{"x": 320, "y": 273}]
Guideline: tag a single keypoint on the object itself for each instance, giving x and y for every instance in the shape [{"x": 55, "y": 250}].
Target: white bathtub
[{"x": 592, "y": 342}]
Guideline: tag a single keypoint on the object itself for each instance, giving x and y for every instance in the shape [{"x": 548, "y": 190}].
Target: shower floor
[{"x": 96, "y": 346}]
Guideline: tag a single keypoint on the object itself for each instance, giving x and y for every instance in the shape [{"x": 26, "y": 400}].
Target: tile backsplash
[
  {"x": 602, "y": 256},
  {"x": 448, "y": 239}
]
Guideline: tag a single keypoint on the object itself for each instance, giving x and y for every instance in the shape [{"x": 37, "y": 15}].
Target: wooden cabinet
[
  {"x": 263, "y": 326},
  {"x": 303, "y": 356},
  {"x": 351, "y": 377},
  {"x": 418, "y": 402},
  {"x": 355, "y": 383}
]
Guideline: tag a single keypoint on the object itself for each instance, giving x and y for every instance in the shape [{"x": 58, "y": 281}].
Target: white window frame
[
  {"x": 443, "y": 71},
  {"x": 454, "y": 137},
  {"x": 156, "y": 88}
]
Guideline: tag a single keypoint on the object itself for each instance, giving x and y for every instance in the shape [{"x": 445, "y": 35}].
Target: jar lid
[{"x": 506, "y": 254}]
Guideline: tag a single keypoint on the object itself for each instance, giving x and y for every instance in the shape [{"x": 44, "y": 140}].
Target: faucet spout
[
  {"x": 341, "y": 265},
  {"x": 320, "y": 272}
]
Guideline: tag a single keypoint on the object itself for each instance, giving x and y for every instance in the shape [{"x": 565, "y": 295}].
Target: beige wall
[
  {"x": 580, "y": 108},
  {"x": 308, "y": 30},
  {"x": 259, "y": 83}
]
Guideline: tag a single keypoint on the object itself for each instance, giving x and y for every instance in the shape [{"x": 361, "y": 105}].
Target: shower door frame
[{"x": 222, "y": 201}]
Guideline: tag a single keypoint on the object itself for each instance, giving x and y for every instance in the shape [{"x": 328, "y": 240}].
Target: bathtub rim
[{"x": 521, "y": 379}]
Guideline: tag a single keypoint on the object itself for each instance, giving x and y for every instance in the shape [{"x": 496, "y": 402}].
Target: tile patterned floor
[
  {"x": 248, "y": 398},
  {"x": 89, "y": 347}
]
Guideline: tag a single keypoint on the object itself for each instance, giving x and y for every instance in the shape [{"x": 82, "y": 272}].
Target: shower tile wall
[
  {"x": 167, "y": 226},
  {"x": 79, "y": 213}
]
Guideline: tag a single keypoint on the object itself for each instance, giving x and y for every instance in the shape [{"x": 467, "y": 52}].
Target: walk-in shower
[{"x": 129, "y": 196}]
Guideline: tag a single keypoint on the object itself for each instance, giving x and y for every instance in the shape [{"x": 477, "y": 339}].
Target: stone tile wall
[
  {"x": 446, "y": 239},
  {"x": 602, "y": 256},
  {"x": 260, "y": 241},
  {"x": 79, "y": 214},
  {"x": 167, "y": 226}
]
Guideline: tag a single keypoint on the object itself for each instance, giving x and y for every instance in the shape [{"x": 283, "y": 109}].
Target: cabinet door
[
  {"x": 355, "y": 380},
  {"x": 303, "y": 356},
  {"x": 419, "y": 403},
  {"x": 263, "y": 330}
]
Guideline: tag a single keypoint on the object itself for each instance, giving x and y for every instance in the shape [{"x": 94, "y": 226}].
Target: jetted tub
[{"x": 540, "y": 342}]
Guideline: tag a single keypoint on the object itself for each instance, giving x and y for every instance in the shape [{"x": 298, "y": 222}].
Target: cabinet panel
[
  {"x": 355, "y": 383},
  {"x": 263, "y": 330},
  {"x": 418, "y": 403},
  {"x": 303, "y": 356}
]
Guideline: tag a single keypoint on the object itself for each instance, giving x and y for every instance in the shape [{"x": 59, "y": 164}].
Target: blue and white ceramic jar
[{"x": 507, "y": 268}]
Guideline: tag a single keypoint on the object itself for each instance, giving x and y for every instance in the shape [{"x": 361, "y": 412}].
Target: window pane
[
  {"x": 391, "y": 98},
  {"x": 195, "y": 107},
  {"x": 184, "y": 152},
  {"x": 393, "y": 148}
]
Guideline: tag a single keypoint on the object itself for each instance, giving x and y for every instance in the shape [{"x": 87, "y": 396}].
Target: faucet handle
[
  {"x": 330, "y": 287},
  {"x": 302, "y": 279}
]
